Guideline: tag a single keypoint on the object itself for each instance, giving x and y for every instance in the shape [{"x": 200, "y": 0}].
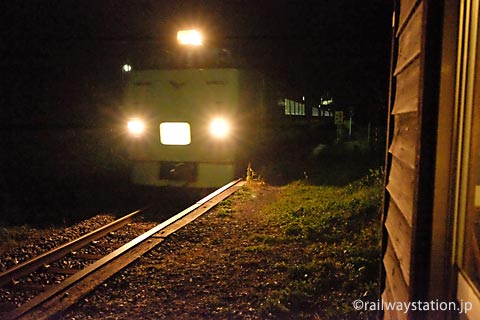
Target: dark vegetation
[{"x": 315, "y": 153}]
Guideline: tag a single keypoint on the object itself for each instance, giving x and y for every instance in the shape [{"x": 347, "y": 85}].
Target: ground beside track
[{"x": 234, "y": 263}]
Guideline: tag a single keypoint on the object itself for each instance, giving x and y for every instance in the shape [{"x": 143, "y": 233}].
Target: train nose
[{"x": 180, "y": 171}]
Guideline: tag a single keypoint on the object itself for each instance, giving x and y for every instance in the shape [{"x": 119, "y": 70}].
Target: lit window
[
  {"x": 175, "y": 133},
  {"x": 287, "y": 107}
]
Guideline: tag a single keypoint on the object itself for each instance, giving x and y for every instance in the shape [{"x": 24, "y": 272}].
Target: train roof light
[
  {"x": 136, "y": 127},
  {"x": 190, "y": 37}
]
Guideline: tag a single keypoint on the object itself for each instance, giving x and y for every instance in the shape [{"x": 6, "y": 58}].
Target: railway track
[{"x": 57, "y": 295}]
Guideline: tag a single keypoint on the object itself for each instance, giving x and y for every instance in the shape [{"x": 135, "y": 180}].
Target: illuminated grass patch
[{"x": 338, "y": 230}]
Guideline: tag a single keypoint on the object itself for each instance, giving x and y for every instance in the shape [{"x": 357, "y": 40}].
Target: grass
[
  {"x": 224, "y": 209},
  {"x": 338, "y": 228}
]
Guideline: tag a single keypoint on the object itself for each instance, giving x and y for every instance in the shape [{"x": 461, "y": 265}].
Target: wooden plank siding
[
  {"x": 400, "y": 239},
  {"x": 406, "y": 9},
  {"x": 408, "y": 81},
  {"x": 421, "y": 214},
  {"x": 405, "y": 139},
  {"x": 398, "y": 285},
  {"x": 387, "y": 295},
  {"x": 402, "y": 182},
  {"x": 409, "y": 45}
]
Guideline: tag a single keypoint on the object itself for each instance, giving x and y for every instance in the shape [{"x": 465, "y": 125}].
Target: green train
[
  {"x": 193, "y": 127},
  {"x": 198, "y": 124}
]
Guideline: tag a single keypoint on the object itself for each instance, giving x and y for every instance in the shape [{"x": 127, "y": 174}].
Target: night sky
[{"x": 61, "y": 60}]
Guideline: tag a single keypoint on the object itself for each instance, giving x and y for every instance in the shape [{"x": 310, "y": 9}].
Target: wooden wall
[{"x": 403, "y": 159}]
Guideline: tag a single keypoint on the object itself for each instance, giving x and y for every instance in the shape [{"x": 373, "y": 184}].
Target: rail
[
  {"x": 65, "y": 294},
  {"x": 59, "y": 252}
]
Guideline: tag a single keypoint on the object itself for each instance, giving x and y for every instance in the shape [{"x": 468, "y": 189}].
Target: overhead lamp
[{"x": 190, "y": 37}]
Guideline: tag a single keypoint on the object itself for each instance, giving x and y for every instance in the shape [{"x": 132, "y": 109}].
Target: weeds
[
  {"x": 224, "y": 209},
  {"x": 339, "y": 230},
  {"x": 258, "y": 248}
]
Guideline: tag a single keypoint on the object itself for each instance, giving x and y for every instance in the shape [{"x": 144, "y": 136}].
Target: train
[{"x": 199, "y": 125}]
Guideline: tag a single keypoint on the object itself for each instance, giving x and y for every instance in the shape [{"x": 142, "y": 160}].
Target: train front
[{"x": 184, "y": 126}]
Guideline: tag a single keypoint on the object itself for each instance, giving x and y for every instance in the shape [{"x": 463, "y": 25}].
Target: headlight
[
  {"x": 219, "y": 128},
  {"x": 136, "y": 127}
]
